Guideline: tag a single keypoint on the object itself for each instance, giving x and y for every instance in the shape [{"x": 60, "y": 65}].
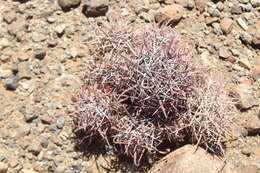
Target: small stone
[
  {"x": 28, "y": 114},
  {"x": 256, "y": 38},
  {"x": 10, "y": 16},
  {"x": 53, "y": 128},
  {"x": 236, "y": 10},
  {"x": 60, "y": 168},
  {"x": 60, "y": 29},
  {"x": 213, "y": 12},
  {"x": 224, "y": 52},
  {"x": 242, "y": 23},
  {"x": 255, "y": 3},
  {"x": 22, "y": 56},
  {"x": 247, "y": 7},
  {"x": 243, "y": 62},
  {"x": 183, "y": 3},
  {"x": 68, "y": 4},
  {"x": 200, "y": 5},
  {"x": 60, "y": 122},
  {"x": 146, "y": 17},
  {"x": 4, "y": 43},
  {"x": 217, "y": 28},
  {"x": 34, "y": 148},
  {"x": 52, "y": 43},
  {"x": 46, "y": 119},
  {"x": 51, "y": 19},
  {"x": 23, "y": 131},
  {"x": 226, "y": 25},
  {"x": 95, "y": 8},
  {"x": 246, "y": 38},
  {"x": 3, "y": 167},
  {"x": 244, "y": 1},
  {"x": 169, "y": 14},
  {"x": 12, "y": 83},
  {"x": 253, "y": 126},
  {"x": 38, "y": 37},
  {"x": 24, "y": 71},
  {"x": 220, "y": 6},
  {"x": 39, "y": 54},
  {"x": 5, "y": 73}
]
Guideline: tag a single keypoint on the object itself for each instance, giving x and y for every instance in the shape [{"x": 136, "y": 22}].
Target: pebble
[
  {"x": 256, "y": 38},
  {"x": 4, "y": 43},
  {"x": 60, "y": 122},
  {"x": 23, "y": 131},
  {"x": 220, "y": 6},
  {"x": 39, "y": 54},
  {"x": 200, "y": 5},
  {"x": 38, "y": 37},
  {"x": 28, "y": 114},
  {"x": 60, "y": 29},
  {"x": 60, "y": 168},
  {"x": 226, "y": 25},
  {"x": 12, "y": 83},
  {"x": 246, "y": 38},
  {"x": 24, "y": 70},
  {"x": 224, "y": 52},
  {"x": 3, "y": 167},
  {"x": 68, "y": 4},
  {"x": 169, "y": 14},
  {"x": 95, "y": 8},
  {"x": 255, "y": 3},
  {"x": 217, "y": 28},
  {"x": 236, "y": 10},
  {"x": 5, "y": 73},
  {"x": 146, "y": 17},
  {"x": 242, "y": 23}
]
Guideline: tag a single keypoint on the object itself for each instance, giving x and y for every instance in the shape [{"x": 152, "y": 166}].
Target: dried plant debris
[{"x": 144, "y": 89}]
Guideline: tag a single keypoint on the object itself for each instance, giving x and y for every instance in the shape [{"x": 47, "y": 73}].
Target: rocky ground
[{"x": 44, "y": 48}]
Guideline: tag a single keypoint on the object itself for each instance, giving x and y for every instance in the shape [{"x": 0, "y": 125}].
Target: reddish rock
[
  {"x": 226, "y": 25},
  {"x": 201, "y": 5},
  {"x": 188, "y": 159},
  {"x": 169, "y": 14},
  {"x": 224, "y": 52}
]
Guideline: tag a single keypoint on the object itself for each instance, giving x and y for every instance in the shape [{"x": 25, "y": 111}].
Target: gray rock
[
  {"x": 217, "y": 28},
  {"x": 68, "y": 4},
  {"x": 214, "y": 12},
  {"x": 53, "y": 128},
  {"x": 28, "y": 114},
  {"x": 12, "y": 83},
  {"x": 95, "y": 8},
  {"x": 60, "y": 122}
]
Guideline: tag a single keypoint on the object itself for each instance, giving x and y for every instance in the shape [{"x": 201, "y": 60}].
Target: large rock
[
  {"x": 95, "y": 8},
  {"x": 189, "y": 160},
  {"x": 169, "y": 14}
]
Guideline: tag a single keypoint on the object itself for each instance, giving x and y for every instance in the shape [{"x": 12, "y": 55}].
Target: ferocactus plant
[{"x": 145, "y": 89}]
